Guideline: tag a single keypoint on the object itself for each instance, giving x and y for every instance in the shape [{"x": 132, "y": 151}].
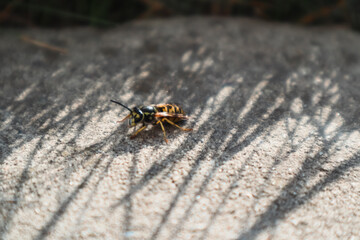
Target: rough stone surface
[{"x": 274, "y": 153}]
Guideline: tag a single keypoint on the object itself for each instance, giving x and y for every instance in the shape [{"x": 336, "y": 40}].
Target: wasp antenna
[{"x": 121, "y": 104}]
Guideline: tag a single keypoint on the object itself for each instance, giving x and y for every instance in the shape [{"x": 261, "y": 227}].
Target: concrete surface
[{"x": 274, "y": 153}]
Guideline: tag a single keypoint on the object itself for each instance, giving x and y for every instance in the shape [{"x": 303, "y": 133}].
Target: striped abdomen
[{"x": 172, "y": 109}]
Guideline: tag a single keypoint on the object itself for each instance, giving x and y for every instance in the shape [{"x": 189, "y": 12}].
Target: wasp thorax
[{"x": 136, "y": 117}]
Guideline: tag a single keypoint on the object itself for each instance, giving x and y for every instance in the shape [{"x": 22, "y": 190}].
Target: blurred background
[{"x": 107, "y": 13}]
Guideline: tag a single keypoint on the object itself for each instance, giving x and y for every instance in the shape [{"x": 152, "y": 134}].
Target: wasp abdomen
[
  {"x": 169, "y": 108},
  {"x": 173, "y": 110}
]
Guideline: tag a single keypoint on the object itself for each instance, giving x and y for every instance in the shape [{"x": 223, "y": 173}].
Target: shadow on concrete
[{"x": 49, "y": 95}]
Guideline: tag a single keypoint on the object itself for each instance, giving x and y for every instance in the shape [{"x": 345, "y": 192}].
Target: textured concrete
[{"x": 274, "y": 153}]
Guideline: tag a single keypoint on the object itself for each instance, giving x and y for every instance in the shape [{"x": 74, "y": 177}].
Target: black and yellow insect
[{"x": 154, "y": 114}]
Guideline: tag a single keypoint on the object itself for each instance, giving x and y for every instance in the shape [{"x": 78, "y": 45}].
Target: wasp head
[{"x": 136, "y": 115}]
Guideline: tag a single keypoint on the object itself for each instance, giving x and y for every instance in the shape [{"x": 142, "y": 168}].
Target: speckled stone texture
[{"x": 274, "y": 153}]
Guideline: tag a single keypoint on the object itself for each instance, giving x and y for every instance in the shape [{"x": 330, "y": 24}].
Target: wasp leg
[
  {"x": 162, "y": 127},
  {"x": 124, "y": 118},
  {"x": 184, "y": 129},
  {"x": 137, "y": 132}
]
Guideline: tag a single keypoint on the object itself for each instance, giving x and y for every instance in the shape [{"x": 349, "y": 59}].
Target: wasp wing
[{"x": 171, "y": 115}]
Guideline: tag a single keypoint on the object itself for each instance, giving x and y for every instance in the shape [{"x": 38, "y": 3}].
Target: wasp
[{"x": 154, "y": 114}]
